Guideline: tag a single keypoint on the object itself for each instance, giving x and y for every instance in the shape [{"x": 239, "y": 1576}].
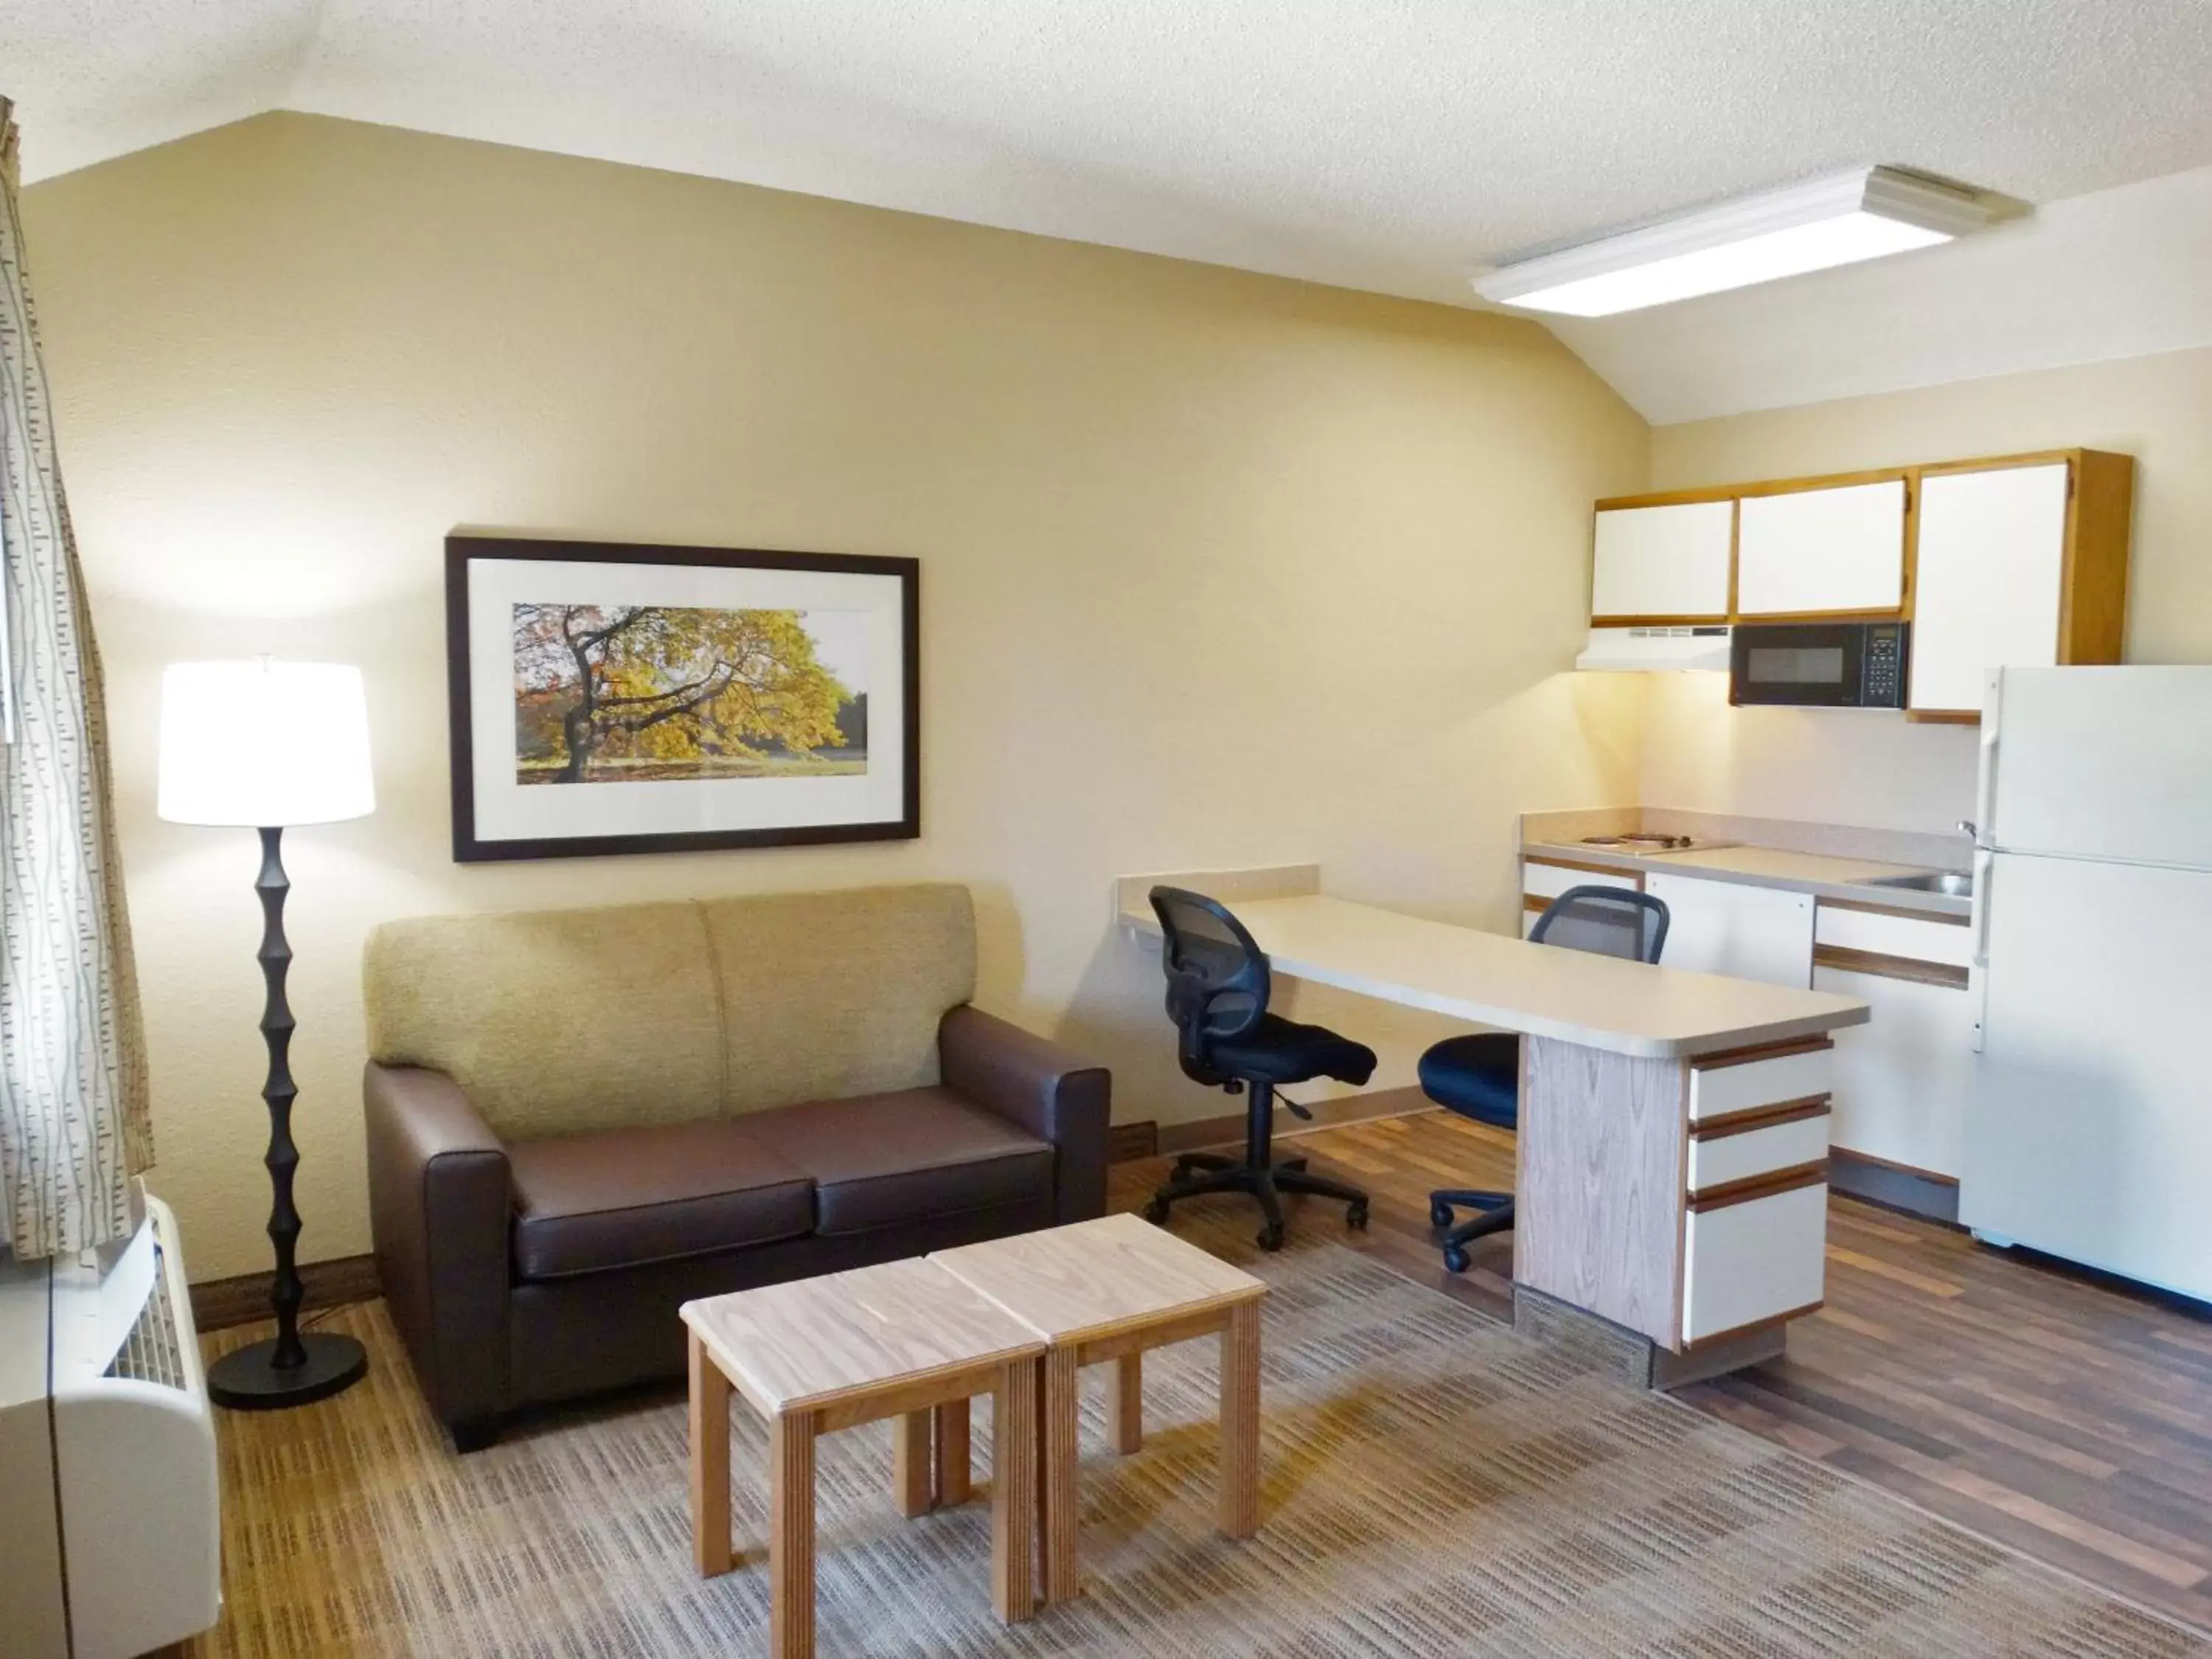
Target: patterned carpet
[{"x": 1435, "y": 1486}]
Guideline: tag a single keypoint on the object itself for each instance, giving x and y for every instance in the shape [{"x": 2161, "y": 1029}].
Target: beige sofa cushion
[
  {"x": 830, "y": 994},
  {"x": 555, "y": 1021}
]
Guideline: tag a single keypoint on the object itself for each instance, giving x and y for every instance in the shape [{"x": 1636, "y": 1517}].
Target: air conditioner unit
[{"x": 110, "y": 1546}]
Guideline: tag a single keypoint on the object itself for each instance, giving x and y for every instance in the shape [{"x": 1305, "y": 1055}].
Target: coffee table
[
  {"x": 1106, "y": 1290},
  {"x": 900, "y": 1340}
]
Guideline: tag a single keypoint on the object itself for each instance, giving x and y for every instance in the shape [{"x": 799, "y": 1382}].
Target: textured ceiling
[{"x": 1386, "y": 145}]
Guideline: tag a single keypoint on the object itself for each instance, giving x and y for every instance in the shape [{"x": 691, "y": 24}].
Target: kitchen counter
[{"x": 1822, "y": 875}]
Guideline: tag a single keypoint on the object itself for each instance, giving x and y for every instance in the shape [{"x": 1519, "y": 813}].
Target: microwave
[{"x": 1818, "y": 665}]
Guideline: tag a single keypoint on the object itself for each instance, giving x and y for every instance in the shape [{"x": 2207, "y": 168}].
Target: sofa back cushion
[
  {"x": 826, "y": 995},
  {"x": 555, "y": 1021}
]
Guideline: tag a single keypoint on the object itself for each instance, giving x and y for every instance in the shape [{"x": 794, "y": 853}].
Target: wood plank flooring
[{"x": 2053, "y": 1412}]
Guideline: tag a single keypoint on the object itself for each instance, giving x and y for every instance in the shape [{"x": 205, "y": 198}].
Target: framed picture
[{"x": 610, "y": 697}]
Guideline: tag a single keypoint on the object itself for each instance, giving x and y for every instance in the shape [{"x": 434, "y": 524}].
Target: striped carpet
[{"x": 1435, "y": 1486}]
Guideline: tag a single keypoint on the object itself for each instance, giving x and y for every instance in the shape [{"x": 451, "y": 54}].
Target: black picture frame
[{"x": 462, "y": 550}]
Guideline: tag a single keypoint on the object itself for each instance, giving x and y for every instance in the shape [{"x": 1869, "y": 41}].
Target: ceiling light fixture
[{"x": 1839, "y": 219}]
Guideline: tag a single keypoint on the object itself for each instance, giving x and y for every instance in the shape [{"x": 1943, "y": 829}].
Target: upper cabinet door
[
  {"x": 1668, "y": 562},
  {"x": 1813, "y": 550},
  {"x": 1989, "y": 582}
]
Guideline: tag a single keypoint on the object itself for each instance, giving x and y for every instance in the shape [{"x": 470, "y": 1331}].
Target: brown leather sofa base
[{"x": 529, "y": 1275}]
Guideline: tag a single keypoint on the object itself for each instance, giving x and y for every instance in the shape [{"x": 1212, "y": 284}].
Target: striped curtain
[{"x": 73, "y": 1112}]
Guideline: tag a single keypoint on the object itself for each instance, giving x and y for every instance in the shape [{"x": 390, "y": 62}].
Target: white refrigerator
[{"x": 2089, "y": 1124}]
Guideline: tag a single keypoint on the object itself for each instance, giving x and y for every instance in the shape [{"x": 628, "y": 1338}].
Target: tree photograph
[{"x": 650, "y": 694}]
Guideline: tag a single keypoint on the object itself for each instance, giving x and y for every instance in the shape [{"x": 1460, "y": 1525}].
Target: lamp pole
[{"x": 292, "y": 1368}]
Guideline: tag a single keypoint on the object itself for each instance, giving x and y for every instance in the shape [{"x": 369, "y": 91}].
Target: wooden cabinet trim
[
  {"x": 1752, "y": 1188},
  {"x": 1720, "y": 620},
  {"x": 1721, "y": 1057},
  {"x": 1732, "y": 492},
  {"x": 1761, "y": 1117},
  {"x": 2093, "y": 594},
  {"x": 1844, "y": 959}
]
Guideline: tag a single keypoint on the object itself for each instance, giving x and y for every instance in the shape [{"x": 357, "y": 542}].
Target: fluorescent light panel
[{"x": 1841, "y": 220}]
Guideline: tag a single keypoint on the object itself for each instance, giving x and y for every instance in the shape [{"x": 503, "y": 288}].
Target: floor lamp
[{"x": 265, "y": 745}]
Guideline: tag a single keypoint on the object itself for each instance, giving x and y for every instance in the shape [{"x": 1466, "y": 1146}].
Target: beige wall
[
  {"x": 1218, "y": 569},
  {"x": 1859, "y": 767}
]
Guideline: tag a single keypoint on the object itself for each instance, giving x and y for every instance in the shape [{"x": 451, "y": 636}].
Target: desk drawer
[
  {"x": 1722, "y": 1160},
  {"x": 1723, "y": 1085},
  {"x": 1754, "y": 1261}
]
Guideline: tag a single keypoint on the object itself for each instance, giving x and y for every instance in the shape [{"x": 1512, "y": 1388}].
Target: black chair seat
[
  {"x": 1478, "y": 1077},
  {"x": 1278, "y": 1050}
]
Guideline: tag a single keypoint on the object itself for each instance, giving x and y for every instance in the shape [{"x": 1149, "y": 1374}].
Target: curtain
[{"x": 73, "y": 1098}]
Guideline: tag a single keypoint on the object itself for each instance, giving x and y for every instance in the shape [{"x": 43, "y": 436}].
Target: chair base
[
  {"x": 1496, "y": 1217},
  {"x": 1199, "y": 1173}
]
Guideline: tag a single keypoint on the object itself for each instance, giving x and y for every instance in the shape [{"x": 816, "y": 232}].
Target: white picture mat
[{"x": 507, "y": 811}]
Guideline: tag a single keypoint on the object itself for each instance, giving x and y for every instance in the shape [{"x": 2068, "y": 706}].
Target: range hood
[{"x": 1668, "y": 650}]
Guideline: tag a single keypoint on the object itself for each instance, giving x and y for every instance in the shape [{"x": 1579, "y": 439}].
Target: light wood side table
[
  {"x": 1105, "y": 1290},
  {"x": 900, "y": 1341}
]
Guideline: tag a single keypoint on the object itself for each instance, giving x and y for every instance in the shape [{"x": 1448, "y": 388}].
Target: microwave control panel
[{"x": 1883, "y": 681}]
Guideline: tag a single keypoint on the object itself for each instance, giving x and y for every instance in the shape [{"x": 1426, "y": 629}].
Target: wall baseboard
[
  {"x": 1913, "y": 1191},
  {"x": 218, "y": 1303},
  {"x": 1148, "y": 1139}
]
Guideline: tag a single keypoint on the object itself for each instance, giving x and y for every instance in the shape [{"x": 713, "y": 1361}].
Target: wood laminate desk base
[{"x": 1682, "y": 1201}]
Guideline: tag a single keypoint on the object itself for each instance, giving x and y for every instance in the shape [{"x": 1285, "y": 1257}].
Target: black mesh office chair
[
  {"x": 1478, "y": 1075},
  {"x": 1218, "y": 985}
]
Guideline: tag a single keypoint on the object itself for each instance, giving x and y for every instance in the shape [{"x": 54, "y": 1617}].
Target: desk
[{"x": 1673, "y": 1147}]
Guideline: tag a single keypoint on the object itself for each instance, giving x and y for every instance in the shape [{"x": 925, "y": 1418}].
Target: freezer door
[
  {"x": 2099, "y": 763},
  {"x": 2089, "y": 1120}
]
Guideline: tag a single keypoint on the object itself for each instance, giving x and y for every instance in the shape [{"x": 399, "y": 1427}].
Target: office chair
[
  {"x": 1218, "y": 986},
  {"x": 1478, "y": 1075}
]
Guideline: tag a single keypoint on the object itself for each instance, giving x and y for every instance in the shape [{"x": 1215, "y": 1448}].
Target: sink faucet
[{"x": 1967, "y": 829}]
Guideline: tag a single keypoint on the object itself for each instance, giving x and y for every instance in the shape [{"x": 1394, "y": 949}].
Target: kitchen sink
[{"x": 1955, "y": 884}]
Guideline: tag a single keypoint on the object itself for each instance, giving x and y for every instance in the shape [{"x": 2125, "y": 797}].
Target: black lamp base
[{"x": 248, "y": 1379}]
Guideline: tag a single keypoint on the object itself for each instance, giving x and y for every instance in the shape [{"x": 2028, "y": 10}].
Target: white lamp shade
[{"x": 264, "y": 743}]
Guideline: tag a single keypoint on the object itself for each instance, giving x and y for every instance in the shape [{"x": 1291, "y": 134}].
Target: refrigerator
[{"x": 2089, "y": 1120}]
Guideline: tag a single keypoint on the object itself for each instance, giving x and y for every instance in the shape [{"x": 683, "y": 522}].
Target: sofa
[{"x": 579, "y": 1120}]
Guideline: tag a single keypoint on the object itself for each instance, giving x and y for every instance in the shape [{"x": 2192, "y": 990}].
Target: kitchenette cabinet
[
  {"x": 1837, "y": 550},
  {"x": 1899, "y": 1085},
  {"x": 1668, "y": 562},
  {"x": 2016, "y": 561},
  {"x": 1726, "y": 928},
  {"x": 2020, "y": 564}
]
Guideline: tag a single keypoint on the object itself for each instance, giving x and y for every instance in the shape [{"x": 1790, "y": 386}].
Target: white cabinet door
[
  {"x": 1901, "y": 1080},
  {"x": 1822, "y": 549},
  {"x": 1992, "y": 557},
  {"x": 1663, "y": 560},
  {"x": 1726, "y": 928}
]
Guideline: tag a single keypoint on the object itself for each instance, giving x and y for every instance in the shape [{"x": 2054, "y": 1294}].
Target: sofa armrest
[
  {"x": 439, "y": 1212},
  {"x": 1041, "y": 1087}
]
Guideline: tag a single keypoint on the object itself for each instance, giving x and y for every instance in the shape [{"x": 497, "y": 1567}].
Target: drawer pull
[{"x": 1754, "y": 1188}]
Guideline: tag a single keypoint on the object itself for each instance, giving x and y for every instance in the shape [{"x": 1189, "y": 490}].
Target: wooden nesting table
[
  {"x": 1106, "y": 1290},
  {"x": 901, "y": 1340}
]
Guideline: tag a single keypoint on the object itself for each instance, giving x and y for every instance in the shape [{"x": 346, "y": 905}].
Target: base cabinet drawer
[
  {"x": 1548, "y": 881},
  {"x": 1753, "y": 1260},
  {"x": 1747, "y": 1086},
  {"x": 1723, "y": 1160}
]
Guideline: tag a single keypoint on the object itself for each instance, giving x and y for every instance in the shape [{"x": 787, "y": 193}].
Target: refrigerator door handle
[
  {"x": 1985, "y": 794},
  {"x": 1978, "y": 975}
]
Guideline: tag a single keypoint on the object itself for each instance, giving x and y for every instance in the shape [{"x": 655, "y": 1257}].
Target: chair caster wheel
[
  {"x": 1355, "y": 1216},
  {"x": 1271, "y": 1238},
  {"x": 1455, "y": 1259},
  {"x": 1155, "y": 1211},
  {"x": 1440, "y": 1214}
]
